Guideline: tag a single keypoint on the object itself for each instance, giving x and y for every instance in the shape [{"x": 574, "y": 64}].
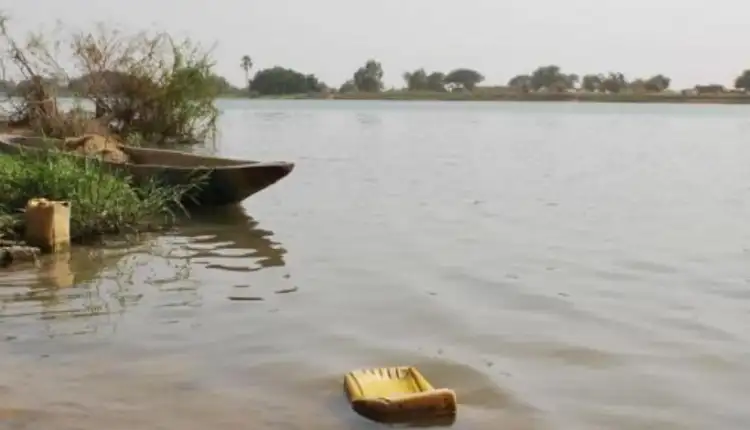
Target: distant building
[{"x": 710, "y": 89}]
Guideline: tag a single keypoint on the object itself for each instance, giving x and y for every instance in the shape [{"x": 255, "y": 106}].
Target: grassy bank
[
  {"x": 102, "y": 202},
  {"x": 724, "y": 98}
]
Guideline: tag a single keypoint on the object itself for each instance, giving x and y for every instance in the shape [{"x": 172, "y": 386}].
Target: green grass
[{"x": 102, "y": 201}]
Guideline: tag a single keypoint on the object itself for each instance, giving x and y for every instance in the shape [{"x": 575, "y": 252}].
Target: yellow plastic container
[
  {"x": 398, "y": 394},
  {"x": 57, "y": 271},
  {"x": 48, "y": 224}
]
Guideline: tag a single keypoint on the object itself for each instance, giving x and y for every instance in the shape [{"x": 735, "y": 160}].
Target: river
[{"x": 559, "y": 265}]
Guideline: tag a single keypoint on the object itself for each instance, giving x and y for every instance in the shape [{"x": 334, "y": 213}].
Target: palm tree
[{"x": 247, "y": 64}]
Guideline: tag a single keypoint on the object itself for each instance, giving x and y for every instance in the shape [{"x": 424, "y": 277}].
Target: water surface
[{"x": 560, "y": 265}]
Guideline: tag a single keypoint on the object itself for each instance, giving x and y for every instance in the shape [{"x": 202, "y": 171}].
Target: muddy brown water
[{"x": 561, "y": 266}]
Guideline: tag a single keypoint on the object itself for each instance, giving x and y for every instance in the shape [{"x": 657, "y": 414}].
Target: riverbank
[
  {"x": 721, "y": 98},
  {"x": 726, "y": 98},
  {"x": 398, "y": 95},
  {"x": 103, "y": 202}
]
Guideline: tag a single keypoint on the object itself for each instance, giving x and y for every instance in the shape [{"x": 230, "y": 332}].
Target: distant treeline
[
  {"x": 277, "y": 81},
  {"x": 281, "y": 81},
  {"x": 80, "y": 85}
]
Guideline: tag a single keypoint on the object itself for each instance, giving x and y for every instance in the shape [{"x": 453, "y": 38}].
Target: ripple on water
[{"x": 554, "y": 278}]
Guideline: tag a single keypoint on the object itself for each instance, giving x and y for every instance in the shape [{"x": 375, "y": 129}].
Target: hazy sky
[{"x": 689, "y": 40}]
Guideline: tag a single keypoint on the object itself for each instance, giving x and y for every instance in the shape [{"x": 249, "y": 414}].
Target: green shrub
[
  {"x": 143, "y": 83},
  {"x": 102, "y": 201}
]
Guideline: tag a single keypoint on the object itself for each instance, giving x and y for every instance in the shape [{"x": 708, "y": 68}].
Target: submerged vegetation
[{"x": 104, "y": 201}]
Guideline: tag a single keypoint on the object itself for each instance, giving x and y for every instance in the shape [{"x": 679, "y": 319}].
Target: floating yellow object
[
  {"x": 398, "y": 394},
  {"x": 48, "y": 224}
]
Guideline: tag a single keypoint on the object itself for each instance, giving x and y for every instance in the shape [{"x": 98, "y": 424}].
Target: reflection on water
[
  {"x": 74, "y": 308},
  {"x": 57, "y": 286},
  {"x": 561, "y": 266},
  {"x": 228, "y": 234},
  {"x": 367, "y": 119},
  {"x": 107, "y": 281}
]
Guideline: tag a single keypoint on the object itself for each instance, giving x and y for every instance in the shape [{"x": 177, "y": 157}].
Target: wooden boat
[
  {"x": 399, "y": 395},
  {"x": 226, "y": 181}
]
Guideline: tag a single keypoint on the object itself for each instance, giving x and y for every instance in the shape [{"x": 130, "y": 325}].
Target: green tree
[
  {"x": 348, "y": 87},
  {"x": 279, "y": 81},
  {"x": 561, "y": 86},
  {"x": 571, "y": 81},
  {"x": 551, "y": 77},
  {"x": 592, "y": 83},
  {"x": 638, "y": 86},
  {"x": 416, "y": 80},
  {"x": 27, "y": 84},
  {"x": 164, "y": 93},
  {"x": 520, "y": 82},
  {"x": 222, "y": 85},
  {"x": 369, "y": 78},
  {"x": 419, "y": 80},
  {"x": 436, "y": 81},
  {"x": 614, "y": 83},
  {"x": 657, "y": 83},
  {"x": 464, "y": 78},
  {"x": 246, "y": 63},
  {"x": 743, "y": 81}
]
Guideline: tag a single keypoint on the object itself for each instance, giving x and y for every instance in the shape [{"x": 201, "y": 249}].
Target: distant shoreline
[
  {"x": 582, "y": 97},
  {"x": 722, "y": 98}
]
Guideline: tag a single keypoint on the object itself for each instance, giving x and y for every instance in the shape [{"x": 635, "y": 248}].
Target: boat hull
[
  {"x": 223, "y": 181},
  {"x": 219, "y": 186}
]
